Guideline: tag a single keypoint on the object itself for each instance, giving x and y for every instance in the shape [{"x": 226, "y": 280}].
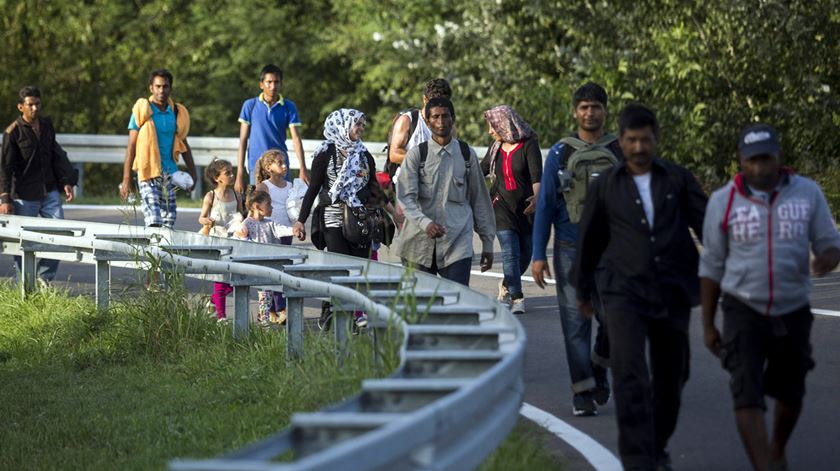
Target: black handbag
[{"x": 362, "y": 226}]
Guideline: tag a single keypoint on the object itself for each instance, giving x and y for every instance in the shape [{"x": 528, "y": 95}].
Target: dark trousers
[
  {"x": 458, "y": 272},
  {"x": 647, "y": 399},
  {"x": 336, "y": 243}
]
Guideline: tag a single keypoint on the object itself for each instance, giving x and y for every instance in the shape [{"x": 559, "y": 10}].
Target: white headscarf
[{"x": 351, "y": 176}]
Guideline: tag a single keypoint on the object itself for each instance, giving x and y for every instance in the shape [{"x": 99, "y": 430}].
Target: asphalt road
[{"x": 705, "y": 438}]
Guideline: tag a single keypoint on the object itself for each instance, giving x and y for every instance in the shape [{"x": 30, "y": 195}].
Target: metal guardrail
[
  {"x": 106, "y": 149},
  {"x": 453, "y": 398}
]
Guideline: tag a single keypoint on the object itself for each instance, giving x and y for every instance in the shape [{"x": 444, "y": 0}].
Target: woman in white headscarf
[{"x": 343, "y": 174}]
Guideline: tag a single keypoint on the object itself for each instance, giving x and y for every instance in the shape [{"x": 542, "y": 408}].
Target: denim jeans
[
  {"x": 49, "y": 207},
  {"x": 516, "y": 256},
  {"x": 577, "y": 330}
]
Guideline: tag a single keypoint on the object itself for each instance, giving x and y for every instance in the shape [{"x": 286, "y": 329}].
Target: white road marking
[
  {"x": 116, "y": 207},
  {"x": 826, "y": 312},
  {"x": 492, "y": 274},
  {"x": 596, "y": 454}
]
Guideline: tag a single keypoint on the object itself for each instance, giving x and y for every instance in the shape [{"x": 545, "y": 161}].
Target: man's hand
[
  {"x": 240, "y": 185},
  {"x": 540, "y": 270},
  {"x": 826, "y": 261},
  {"x": 585, "y": 307},
  {"x": 125, "y": 189},
  {"x": 532, "y": 205},
  {"x": 68, "y": 193},
  {"x": 304, "y": 175},
  {"x": 711, "y": 337},
  {"x": 486, "y": 261},
  {"x": 435, "y": 230},
  {"x": 194, "y": 178},
  {"x": 7, "y": 208},
  {"x": 299, "y": 230}
]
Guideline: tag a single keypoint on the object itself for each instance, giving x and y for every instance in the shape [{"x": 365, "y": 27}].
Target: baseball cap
[
  {"x": 758, "y": 139},
  {"x": 182, "y": 180}
]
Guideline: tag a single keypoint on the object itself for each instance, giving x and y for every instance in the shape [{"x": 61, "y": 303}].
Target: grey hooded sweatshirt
[{"x": 759, "y": 251}]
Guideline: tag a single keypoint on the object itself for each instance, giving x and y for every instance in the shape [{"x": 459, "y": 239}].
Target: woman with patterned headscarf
[
  {"x": 343, "y": 174},
  {"x": 514, "y": 163}
]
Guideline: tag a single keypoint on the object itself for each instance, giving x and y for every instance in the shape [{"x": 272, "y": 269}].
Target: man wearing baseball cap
[{"x": 758, "y": 232}]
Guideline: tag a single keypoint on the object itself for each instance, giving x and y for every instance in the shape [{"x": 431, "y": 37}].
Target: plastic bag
[{"x": 295, "y": 201}]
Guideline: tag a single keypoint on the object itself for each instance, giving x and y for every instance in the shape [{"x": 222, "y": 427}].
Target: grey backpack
[{"x": 583, "y": 165}]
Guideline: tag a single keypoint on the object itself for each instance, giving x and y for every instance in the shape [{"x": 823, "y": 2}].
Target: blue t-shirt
[
  {"x": 165, "y": 130},
  {"x": 268, "y": 126}
]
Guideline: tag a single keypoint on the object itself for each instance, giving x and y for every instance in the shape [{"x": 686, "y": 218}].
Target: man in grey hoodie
[{"x": 757, "y": 234}]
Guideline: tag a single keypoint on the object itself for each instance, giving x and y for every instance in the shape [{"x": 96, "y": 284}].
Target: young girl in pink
[{"x": 221, "y": 209}]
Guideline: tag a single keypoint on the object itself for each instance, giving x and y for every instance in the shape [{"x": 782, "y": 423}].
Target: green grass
[
  {"x": 156, "y": 378},
  {"x": 523, "y": 450},
  {"x": 134, "y": 386}
]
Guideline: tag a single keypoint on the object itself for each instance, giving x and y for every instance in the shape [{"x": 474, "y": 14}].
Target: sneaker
[
  {"x": 223, "y": 320},
  {"x": 601, "y": 391},
  {"x": 362, "y": 320},
  {"x": 503, "y": 291},
  {"x": 264, "y": 323},
  {"x": 507, "y": 302},
  {"x": 210, "y": 308},
  {"x": 583, "y": 404},
  {"x": 518, "y": 306}
]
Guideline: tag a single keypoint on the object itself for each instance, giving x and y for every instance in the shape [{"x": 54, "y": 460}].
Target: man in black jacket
[
  {"x": 33, "y": 169},
  {"x": 636, "y": 222}
]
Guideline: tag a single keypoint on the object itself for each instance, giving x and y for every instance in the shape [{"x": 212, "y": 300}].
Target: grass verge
[{"x": 156, "y": 378}]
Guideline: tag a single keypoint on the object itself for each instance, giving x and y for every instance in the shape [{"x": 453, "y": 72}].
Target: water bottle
[{"x": 130, "y": 198}]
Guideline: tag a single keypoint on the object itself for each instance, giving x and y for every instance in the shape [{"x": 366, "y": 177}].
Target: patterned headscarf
[
  {"x": 351, "y": 175},
  {"x": 509, "y": 126}
]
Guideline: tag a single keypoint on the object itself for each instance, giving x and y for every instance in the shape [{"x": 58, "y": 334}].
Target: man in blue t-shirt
[
  {"x": 264, "y": 120},
  {"x": 586, "y": 368},
  {"x": 157, "y": 137}
]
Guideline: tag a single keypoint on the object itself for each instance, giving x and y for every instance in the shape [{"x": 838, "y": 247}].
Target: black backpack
[{"x": 465, "y": 153}]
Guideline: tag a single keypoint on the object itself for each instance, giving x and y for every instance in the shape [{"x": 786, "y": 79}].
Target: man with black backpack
[
  {"x": 442, "y": 192},
  {"x": 570, "y": 164}
]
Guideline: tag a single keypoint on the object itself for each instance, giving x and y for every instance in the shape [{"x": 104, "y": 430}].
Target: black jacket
[
  {"x": 31, "y": 166},
  {"x": 641, "y": 263}
]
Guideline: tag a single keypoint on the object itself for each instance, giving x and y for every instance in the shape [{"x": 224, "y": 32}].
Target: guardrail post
[
  {"x": 198, "y": 188},
  {"x": 27, "y": 272},
  {"x": 294, "y": 327},
  {"x": 103, "y": 284},
  {"x": 80, "y": 187},
  {"x": 341, "y": 325},
  {"x": 240, "y": 311}
]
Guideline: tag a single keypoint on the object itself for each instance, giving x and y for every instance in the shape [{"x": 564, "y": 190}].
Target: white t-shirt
[
  {"x": 421, "y": 134},
  {"x": 279, "y": 196},
  {"x": 643, "y": 185}
]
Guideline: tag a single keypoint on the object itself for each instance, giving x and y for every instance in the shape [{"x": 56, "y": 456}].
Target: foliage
[{"x": 707, "y": 68}]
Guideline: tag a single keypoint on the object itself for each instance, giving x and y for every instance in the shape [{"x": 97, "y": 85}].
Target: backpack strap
[{"x": 414, "y": 114}]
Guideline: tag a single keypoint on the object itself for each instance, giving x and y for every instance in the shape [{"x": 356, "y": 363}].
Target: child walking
[
  {"x": 271, "y": 178},
  {"x": 221, "y": 210},
  {"x": 258, "y": 227}
]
